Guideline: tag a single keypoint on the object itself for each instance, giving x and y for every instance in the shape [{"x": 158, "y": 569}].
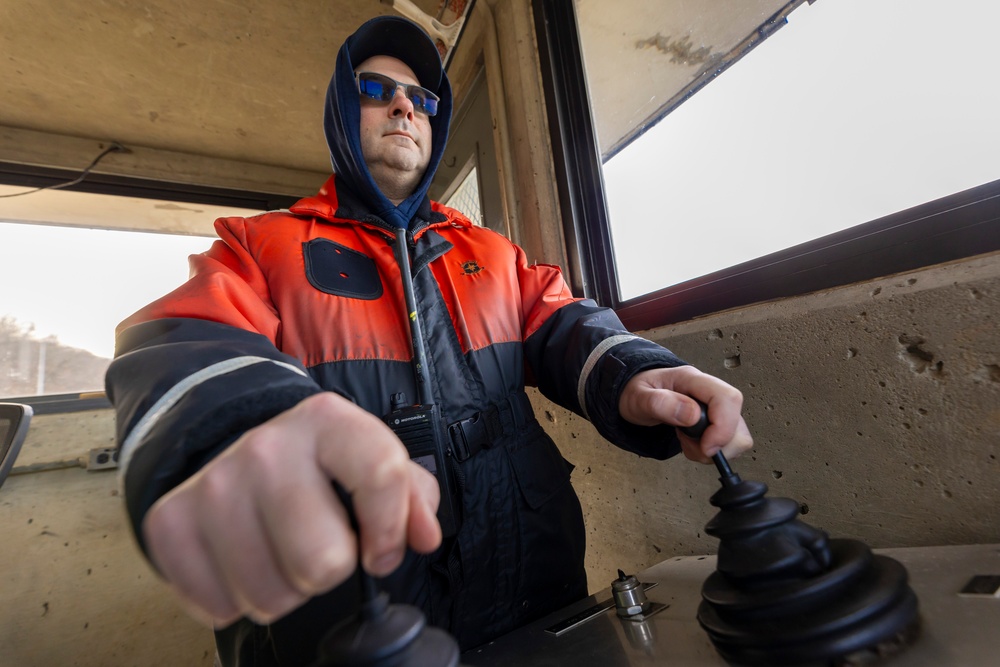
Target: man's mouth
[{"x": 400, "y": 133}]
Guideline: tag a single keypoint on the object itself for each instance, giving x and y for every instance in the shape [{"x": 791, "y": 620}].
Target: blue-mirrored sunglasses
[{"x": 381, "y": 88}]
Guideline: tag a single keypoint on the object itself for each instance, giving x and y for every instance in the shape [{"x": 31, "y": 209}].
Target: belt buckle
[
  {"x": 460, "y": 441},
  {"x": 470, "y": 435}
]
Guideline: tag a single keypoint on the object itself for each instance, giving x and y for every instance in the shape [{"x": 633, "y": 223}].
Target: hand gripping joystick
[
  {"x": 784, "y": 593},
  {"x": 383, "y": 634}
]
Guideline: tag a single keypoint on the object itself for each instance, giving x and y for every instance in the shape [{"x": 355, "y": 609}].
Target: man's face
[{"x": 395, "y": 139}]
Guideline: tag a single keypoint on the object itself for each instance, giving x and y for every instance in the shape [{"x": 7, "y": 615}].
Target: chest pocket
[{"x": 341, "y": 271}]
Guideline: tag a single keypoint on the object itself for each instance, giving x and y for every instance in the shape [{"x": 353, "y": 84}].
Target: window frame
[
  {"x": 957, "y": 226},
  {"x": 31, "y": 176}
]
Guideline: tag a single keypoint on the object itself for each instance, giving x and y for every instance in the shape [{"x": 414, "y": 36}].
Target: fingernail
[
  {"x": 386, "y": 563},
  {"x": 683, "y": 410}
]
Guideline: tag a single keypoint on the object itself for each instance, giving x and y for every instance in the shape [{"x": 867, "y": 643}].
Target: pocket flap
[{"x": 540, "y": 469}]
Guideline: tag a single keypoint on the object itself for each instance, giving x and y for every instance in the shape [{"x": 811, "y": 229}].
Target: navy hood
[{"x": 402, "y": 39}]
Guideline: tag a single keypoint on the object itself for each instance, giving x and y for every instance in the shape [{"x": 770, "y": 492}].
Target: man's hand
[
  {"x": 666, "y": 395},
  {"x": 260, "y": 530}
]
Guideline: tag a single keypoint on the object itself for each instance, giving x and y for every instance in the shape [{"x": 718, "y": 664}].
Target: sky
[
  {"x": 856, "y": 109},
  {"x": 50, "y": 283}
]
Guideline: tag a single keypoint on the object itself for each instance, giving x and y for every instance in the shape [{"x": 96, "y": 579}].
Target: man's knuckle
[
  {"x": 262, "y": 454},
  {"x": 321, "y": 404},
  {"x": 214, "y": 488},
  {"x": 164, "y": 517},
  {"x": 321, "y": 571},
  {"x": 389, "y": 471}
]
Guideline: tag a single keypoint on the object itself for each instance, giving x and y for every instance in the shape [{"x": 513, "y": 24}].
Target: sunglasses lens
[
  {"x": 376, "y": 86},
  {"x": 421, "y": 100},
  {"x": 382, "y": 88},
  {"x": 429, "y": 106}
]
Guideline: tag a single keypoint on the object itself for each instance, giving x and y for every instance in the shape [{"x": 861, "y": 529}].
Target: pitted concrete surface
[{"x": 876, "y": 406}]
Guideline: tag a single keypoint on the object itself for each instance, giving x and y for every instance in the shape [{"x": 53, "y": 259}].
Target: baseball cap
[{"x": 399, "y": 38}]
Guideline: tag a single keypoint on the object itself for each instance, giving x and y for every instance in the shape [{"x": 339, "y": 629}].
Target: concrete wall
[
  {"x": 74, "y": 588},
  {"x": 876, "y": 406}
]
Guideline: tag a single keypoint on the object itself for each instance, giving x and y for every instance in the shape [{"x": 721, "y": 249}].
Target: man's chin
[
  {"x": 405, "y": 161},
  {"x": 398, "y": 177}
]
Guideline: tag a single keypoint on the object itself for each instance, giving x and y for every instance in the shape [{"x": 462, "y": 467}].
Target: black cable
[{"x": 115, "y": 147}]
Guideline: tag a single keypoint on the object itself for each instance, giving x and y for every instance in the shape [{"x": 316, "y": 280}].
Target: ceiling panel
[{"x": 241, "y": 81}]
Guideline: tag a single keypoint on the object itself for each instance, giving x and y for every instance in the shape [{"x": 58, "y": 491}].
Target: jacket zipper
[{"x": 403, "y": 245}]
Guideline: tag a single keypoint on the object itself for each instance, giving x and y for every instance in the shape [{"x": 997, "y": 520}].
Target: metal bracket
[{"x": 590, "y": 613}]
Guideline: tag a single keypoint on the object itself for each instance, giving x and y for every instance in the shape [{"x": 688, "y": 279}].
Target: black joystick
[
  {"x": 784, "y": 593},
  {"x": 383, "y": 634},
  {"x": 386, "y": 635}
]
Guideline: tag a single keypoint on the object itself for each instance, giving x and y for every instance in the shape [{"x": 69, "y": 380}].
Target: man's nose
[{"x": 401, "y": 104}]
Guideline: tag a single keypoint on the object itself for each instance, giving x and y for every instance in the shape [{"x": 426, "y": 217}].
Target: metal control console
[{"x": 959, "y": 617}]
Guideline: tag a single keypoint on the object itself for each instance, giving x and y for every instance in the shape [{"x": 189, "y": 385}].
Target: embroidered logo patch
[{"x": 471, "y": 267}]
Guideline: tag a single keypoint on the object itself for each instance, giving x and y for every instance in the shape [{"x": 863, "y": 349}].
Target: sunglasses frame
[{"x": 418, "y": 101}]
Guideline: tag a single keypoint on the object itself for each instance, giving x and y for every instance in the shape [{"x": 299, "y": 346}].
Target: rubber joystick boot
[
  {"x": 387, "y": 635},
  {"x": 785, "y": 594}
]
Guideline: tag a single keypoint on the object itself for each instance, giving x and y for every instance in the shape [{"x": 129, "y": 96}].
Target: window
[
  {"x": 67, "y": 289},
  {"x": 466, "y": 197},
  {"x": 804, "y": 137},
  {"x": 67, "y": 286},
  {"x": 727, "y": 164},
  {"x": 468, "y": 177}
]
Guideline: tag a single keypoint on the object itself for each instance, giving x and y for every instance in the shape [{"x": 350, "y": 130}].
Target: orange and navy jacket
[{"x": 290, "y": 303}]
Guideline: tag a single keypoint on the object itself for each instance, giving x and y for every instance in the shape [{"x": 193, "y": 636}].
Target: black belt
[{"x": 480, "y": 431}]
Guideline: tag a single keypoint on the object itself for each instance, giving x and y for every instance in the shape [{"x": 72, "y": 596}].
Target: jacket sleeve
[
  {"x": 195, "y": 369},
  {"x": 581, "y": 357}
]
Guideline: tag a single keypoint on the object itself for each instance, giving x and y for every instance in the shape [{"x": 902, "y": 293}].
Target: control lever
[
  {"x": 695, "y": 431},
  {"x": 784, "y": 593},
  {"x": 383, "y": 634}
]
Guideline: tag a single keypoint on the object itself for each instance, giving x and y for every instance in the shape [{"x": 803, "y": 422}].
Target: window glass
[
  {"x": 466, "y": 198},
  {"x": 854, "y": 110},
  {"x": 64, "y": 291}
]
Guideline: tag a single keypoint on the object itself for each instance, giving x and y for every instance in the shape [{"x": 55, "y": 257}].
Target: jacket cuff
[{"x": 604, "y": 389}]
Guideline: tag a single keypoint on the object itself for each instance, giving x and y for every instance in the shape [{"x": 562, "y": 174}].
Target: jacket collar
[{"x": 336, "y": 201}]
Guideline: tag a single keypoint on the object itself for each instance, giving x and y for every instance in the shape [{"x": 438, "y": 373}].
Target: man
[{"x": 246, "y": 392}]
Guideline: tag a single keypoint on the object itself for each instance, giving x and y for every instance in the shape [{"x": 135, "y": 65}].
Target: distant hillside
[{"x": 30, "y": 365}]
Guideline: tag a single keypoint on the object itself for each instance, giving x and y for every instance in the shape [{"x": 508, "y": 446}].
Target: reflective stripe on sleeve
[
  {"x": 595, "y": 355},
  {"x": 176, "y": 393}
]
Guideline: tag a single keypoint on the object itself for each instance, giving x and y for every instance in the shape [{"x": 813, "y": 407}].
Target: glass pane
[
  {"x": 466, "y": 198},
  {"x": 854, "y": 110},
  {"x": 64, "y": 291}
]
